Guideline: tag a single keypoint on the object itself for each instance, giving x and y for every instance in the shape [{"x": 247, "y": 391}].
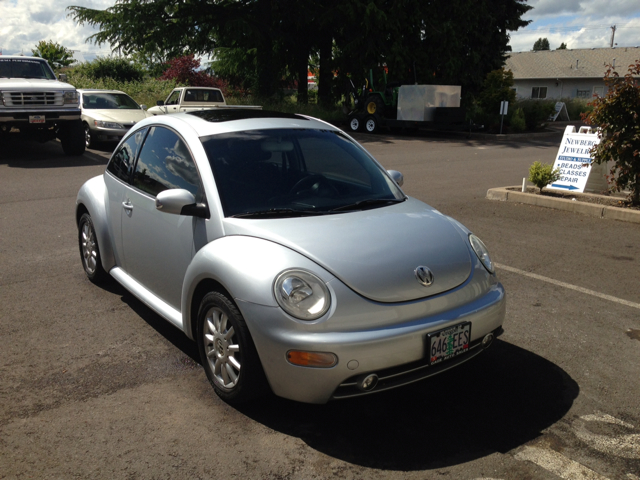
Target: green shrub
[
  {"x": 542, "y": 174},
  {"x": 517, "y": 121},
  {"x": 536, "y": 112},
  {"x": 119, "y": 69},
  {"x": 146, "y": 92},
  {"x": 576, "y": 107}
]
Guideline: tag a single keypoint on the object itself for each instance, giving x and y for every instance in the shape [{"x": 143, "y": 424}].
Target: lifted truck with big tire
[{"x": 37, "y": 106}]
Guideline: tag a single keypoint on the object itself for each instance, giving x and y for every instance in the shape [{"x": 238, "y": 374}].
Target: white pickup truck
[
  {"x": 34, "y": 104},
  {"x": 189, "y": 99}
]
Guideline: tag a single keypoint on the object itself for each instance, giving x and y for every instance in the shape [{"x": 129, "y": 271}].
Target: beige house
[{"x": 567, "y": 73}]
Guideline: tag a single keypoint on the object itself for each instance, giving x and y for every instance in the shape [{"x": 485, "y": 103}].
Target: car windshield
[
  {"x": 108, "y": 101},
  {"x": 25, "y": 68},
  {"x": 294, "y": 172}
]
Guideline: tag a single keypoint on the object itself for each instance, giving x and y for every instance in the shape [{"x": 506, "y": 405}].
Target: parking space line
[
  {"x": 558, "y": 464},
  {"x": 568, "y": 285}
]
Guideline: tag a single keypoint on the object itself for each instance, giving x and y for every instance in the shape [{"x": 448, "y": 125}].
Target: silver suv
[{"x": 37, "y": 105}]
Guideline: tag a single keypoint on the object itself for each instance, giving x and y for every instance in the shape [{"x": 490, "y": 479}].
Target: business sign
[{"x": 574, "y": 159}]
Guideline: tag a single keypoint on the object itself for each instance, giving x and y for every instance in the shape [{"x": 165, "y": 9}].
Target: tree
[
  {"x": 457, "y": 42},
  {"x": 55, "y": 54},
  {"x": 185, "y": 70},
  {"x": 496, "y": 88},
  {"x": 563, "y": 46},
  {"x": 541, "y": 44},
  {"x": 616, "y": 116}
]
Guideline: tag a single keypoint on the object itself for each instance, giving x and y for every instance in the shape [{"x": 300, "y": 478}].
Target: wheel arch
[{"x": 90, "y": 200}]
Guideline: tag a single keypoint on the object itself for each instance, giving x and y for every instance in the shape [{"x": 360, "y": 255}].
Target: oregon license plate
[
  {"x": 36, "y": 119},
  {"x": 449, "y": 342}
]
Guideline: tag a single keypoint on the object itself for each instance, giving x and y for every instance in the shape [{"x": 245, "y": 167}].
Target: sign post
[
  {"x": 574, "y": 159},
  {"x": 504, "y": 107}
]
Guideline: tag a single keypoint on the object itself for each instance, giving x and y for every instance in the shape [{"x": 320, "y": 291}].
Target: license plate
[
  {"x": 449, "y": 342},
  {"x": 36, "y": 119}
]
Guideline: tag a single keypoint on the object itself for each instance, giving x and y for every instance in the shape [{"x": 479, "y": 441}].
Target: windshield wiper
[
  {"x": 368, "y": 203},
  {"x": 277, "y": 212}
]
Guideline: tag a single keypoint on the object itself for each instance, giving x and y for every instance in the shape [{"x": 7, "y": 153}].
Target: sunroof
[{"x": 230, "y": 114}]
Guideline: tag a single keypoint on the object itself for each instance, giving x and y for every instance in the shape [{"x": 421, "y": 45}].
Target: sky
[{"x": 578, "y": 23}]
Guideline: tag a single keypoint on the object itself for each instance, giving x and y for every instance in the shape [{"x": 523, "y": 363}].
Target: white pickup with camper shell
[{"x": 189, "y": 99}]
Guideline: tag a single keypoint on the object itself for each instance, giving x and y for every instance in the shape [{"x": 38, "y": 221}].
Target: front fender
[
  {"x": 92, "y": 198},
  {"x": 246, "y": 267}
]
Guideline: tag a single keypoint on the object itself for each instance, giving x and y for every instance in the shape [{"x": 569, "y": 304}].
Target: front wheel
[
  {"x": 227, "y": 351},
  {"x": 89, "y": 142},
  {"x": 89, "y": 250}
]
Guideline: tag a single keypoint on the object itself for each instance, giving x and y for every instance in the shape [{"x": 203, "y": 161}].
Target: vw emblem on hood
[{"x": 424, "y": 275}]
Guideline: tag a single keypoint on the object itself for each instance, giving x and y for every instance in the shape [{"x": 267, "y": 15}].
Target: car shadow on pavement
[
  {"x": 498, "y": 401},
  {"x": 20, "y": 153}
]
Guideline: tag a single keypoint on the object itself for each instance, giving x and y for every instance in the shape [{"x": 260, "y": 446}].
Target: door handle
[{"x": 127, "y": 205}]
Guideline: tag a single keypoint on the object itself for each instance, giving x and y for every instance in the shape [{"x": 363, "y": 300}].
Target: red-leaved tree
[
  {"x": 184, "y": 70},
  {"x": 616, "y": 114}
]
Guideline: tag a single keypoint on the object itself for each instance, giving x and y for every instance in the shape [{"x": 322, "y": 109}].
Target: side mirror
[
  {"x": 179, "y": 201},
  {"x": 396, "y": 176},
  {"x": 63, "y": 77},
  {"x": 160, "y": 103},
  {"x": 143, "y": 107}
]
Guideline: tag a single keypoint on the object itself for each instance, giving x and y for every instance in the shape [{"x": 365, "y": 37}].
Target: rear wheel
[
  {"x": 371, "y": 124},
  {"x": 374, "y": 104},
  {"x": 227, "y": 351}
]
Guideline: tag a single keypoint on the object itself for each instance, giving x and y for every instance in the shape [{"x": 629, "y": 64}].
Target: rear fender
[
  {"x": 91, "y": 198},
  {"x": 245, "y": 267}
]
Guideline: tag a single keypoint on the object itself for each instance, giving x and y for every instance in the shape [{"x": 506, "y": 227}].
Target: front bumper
[
  {"x": 108, "y": 134},
  {"x": 386, "y": 339}
]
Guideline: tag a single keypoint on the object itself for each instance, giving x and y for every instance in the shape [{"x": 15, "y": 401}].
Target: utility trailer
[{"x": 407, "y": 106}]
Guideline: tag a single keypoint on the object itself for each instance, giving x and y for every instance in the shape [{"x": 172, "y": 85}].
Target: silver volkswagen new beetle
[{"x": 288, "y": 254}]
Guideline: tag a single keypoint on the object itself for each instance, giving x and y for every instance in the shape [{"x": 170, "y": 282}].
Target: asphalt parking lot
[{"x": 93, "y": 384}]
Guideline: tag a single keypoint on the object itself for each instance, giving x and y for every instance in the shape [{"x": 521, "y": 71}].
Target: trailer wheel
[
  {"x": 355, "y": 124},
  {"x": 371, "y": 124}
]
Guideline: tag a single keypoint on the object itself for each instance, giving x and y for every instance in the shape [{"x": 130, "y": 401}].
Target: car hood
[
  {"x": 374, "y": 252},
  {"x": 39, "y": 83},
  {"x": 128, "y": 117}
]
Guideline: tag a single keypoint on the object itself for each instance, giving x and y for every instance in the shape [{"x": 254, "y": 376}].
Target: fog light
[
  {"x": 312, "y": 359},
  {"x": 487, "y": 340},
  {"x": 368, "y": 382}
]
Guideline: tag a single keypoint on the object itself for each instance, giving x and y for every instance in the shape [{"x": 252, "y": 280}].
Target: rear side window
[
  {"x": 123, "y": 160},
  {"x": 165, "y": 162}
]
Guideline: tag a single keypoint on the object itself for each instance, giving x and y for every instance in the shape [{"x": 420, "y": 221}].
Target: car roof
[
  {"x": 22, "y": 57},
  {"x": 217, "y": 121},
  {"x": 99, "y": 90}
]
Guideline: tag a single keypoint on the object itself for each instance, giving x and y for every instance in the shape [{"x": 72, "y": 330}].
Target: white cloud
[
  {"x": 579, "y": 24},
  {"x": 26, "y": 22}
]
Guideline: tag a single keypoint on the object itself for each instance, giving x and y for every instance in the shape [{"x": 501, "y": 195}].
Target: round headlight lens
[
  {"x": 481, "y": 252},
  {"x": 301, "y": 294}
]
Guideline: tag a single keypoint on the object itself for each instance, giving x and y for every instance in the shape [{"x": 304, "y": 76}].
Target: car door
[
  {"x": 158, "y": 247},
  {"x": 172, "y": 104},
  {"x": 116, "y": 178}
]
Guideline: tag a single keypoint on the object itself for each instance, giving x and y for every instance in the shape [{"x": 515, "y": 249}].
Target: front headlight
[
  {"x": 301, "y": 294},
  {"x": 481, "y": 252},
  {"x": 70, "y": 96},
  {"x": 100, "y": 123}
]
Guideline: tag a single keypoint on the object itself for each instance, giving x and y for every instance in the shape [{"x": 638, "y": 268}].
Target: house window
[
  {"x": 539, "y": 92},
  {"x": 598, "y": 91},
  {"x": 583, "y": 93}
]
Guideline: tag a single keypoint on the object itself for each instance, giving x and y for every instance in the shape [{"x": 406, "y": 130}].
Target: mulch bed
[{"x": 610, "y": 200}]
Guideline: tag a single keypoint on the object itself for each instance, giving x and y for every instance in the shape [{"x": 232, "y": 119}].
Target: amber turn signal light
[{"x": 312, "y": 359}]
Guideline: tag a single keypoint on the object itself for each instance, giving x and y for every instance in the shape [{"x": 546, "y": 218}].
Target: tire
[
  {"x": 232, "y": 364},
  {"x": 89, "y": 251},
  {"x": 374, "y": 104},
  {"x": 371, "y": 124},
  {"x": 88, "y": 141},
  {"x": 355, "y": 124},
  {"x": 72, "y": 138}
]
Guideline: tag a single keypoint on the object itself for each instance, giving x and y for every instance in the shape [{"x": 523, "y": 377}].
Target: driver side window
[{"x": 174, "y": 98}]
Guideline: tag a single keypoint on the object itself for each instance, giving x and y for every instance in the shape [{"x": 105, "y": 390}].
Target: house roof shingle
[{"x": 579, "y": 63}]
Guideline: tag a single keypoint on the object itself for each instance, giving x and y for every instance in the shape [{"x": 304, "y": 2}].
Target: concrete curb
[{"x": 503, "y": 194}]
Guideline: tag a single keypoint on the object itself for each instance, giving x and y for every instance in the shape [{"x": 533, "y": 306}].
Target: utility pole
[{"x": 613, "y": 34}]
